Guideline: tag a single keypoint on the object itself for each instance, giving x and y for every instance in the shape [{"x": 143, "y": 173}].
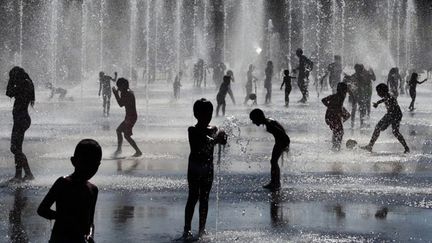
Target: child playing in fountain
[
  {"x": 224, "y": 88},
  {"x": 177, "y": 85},
  {"x": 282, "y": 142},
  {"x": 393, "y": 117},
  {"x": 336, "y": 114},
  {"x": 412, "y": 84},
  {"x": 105, "y": 87},
  {"x": 75, "y": 197},
  {"x": 125, "y": 97},
  {"x": 202, "y": 139},
  {"x": 60, "y": 91},
  {"x": 287, "y": 82}
]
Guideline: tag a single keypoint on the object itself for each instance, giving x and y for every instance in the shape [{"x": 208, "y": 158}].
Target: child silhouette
[{"x": 75, "y": 197}]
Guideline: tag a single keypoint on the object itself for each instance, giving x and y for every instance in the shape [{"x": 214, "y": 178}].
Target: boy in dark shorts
[
  {"x": 202, "y": 139},
  {"x": 336, "y": 114},
  {"x": 125, "y": 97},
  {"x": 224, "y": 89},
  {"x": 287, "y": 82},
  {"x": 75, "y": 197},
  {"x": 393, "y": 117},
  {"x": 282, "y": 142}
]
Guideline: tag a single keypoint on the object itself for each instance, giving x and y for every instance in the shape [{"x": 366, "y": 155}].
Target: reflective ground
[{"x": 326, "y": 196}]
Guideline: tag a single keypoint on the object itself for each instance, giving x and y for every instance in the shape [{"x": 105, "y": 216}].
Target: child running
[
  {"x": 336, "y": 114},
  {"x": 125, "y": 97},
  {"x": 282, "y": 142},
  {"x": 413, "y": 89},
  {"x": 393, "y": 117},
  {"x": 287, "y": 82},
  {"x": 202, "y": 139},
  {"x": 75, "y": 197}
]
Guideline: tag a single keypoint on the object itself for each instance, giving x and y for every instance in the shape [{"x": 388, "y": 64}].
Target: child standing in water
[
  {"x": 336, "y": 114},
  {"x": 177, "y": 85},
  {"x": 282, "y": 142},
  {"x": 202, "y": 139},
  {"x": 224, "y": 89},
  {"x": 75, "y": 197},
  {"x": 105, "y": 88},
  {"x": 20, "y": 87},
  {"x": 125, "y": 97},
  {"x": 393, "y": 117},
  {"x": 412, "y": 84},
  {"x": 287, "y": 82}
]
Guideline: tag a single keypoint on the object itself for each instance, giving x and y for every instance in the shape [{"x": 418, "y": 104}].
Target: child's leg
[
  {"x": 353, "y": 113},
  {"x": 413, "y": 97},
  {"x": 217, "y": 109},
  {"x": 223, "y": 107},
  {"x": 193, "y": 183},
  {"x": 398, "y": 135},
  {"x": 119, "y": 131},
  {"x": 132, "y": 143},
  {"x": 205, "y": 187},
  {"x": 381, "y": 126},
  {"x": 274, "y": 169}
]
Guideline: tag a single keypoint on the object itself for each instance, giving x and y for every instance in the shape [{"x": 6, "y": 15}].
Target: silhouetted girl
[
  {"x": 20, "y": 87},
  {"x": 268, "y": 81},
  {"x": 413, "y": 89}
]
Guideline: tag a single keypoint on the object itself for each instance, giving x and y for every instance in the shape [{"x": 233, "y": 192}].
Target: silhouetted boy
[
  {"x": 75, "y": 197},
  {"x": 287, "y": 82},
  {"x": 224, "y": 89},
  {"x": 202, "y": 139},
  {"x": 105, "y": 87},
  {"x": 336, "y": 114},
  {"x": 177, "y": 85},
  {"x": 282, "y": 143},
  {"x": 335, "y": 71},
  {"x": 393, "y": 117},
  {"x": 250, "y": 79},
  {"x": 304, "y": 68},
  {"x": 125, "y": 97}
]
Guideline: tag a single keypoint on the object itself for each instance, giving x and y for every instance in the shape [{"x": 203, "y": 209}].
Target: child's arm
[
  {"x": 115, "y": 77},
  {"x": 92, "y": 210},
  {"x": 422, "y": 81},
  {"x": 44, "y": 209},
  {"x": 100, "y": 87},
  {"x": 283, "y": 82},
  {"x": 326, "y": 101},
  {"x": 11, "y": 89},
  {"x": 117, "y": 96},
  {"x": 375, "y": 105}
]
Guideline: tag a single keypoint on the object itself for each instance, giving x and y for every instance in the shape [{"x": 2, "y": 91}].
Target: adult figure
[
  {"x": 268, "y": 81},
  {"x": 304, "y": 68},
  {"x": 394, "y": 81},
  {"x": 334, "y": 71}
]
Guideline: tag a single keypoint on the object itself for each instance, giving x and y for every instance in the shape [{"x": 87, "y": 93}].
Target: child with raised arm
[
  {"x": 393, "y": 117},
  {"x": 125, "y": 97},
  {"x": 105, "y": 88},
  {"x": 336, "y": 114},
  {"x": 287, "y": 82},
  {"x": 202, "y": 139},
  {"x": 412, "y": 84},
  {"x": 282, "y": 142},
  {"x": 75, "y": 197}
]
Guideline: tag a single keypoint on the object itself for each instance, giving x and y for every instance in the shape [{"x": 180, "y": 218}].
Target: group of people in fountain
[{"x": 76, "y": 197}]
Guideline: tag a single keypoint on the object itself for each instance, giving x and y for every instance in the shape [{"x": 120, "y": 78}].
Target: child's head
[
  {"x": 122, "y": 84},
  {"x": 180, "y": 73},
  {"x": 251, "y": 67},
  {"x": 337, "y": 58},
  {"x": 414, "y": 76},
  {"x": 299, "y": 52},
  {"x": 269, "y": 64},
  {"x": 358, "y": 68},
  {"x": 101, "y": 74},
  {"x": 257, "y": 117},
  {"x": 382, "y": 90},
  {"x": 286, "y": 72},
  {"x": 48, "y": 85},
  {"x": 342, "y": 88},
  {"x": 230, "y": 73},
  {"x": 203, "y": 110},
  {"x": 86, "y": 159}
]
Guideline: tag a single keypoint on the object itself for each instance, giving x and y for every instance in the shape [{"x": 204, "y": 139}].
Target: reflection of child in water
[
  {"x": 60, "y": 91},
  {"x": 202, "y": 139}
]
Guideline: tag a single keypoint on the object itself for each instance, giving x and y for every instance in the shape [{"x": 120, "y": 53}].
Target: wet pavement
[{"x": 325, "y": 196}]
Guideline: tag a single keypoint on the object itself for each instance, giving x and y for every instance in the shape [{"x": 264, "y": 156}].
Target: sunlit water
[{"x": 326, "y": 196}]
